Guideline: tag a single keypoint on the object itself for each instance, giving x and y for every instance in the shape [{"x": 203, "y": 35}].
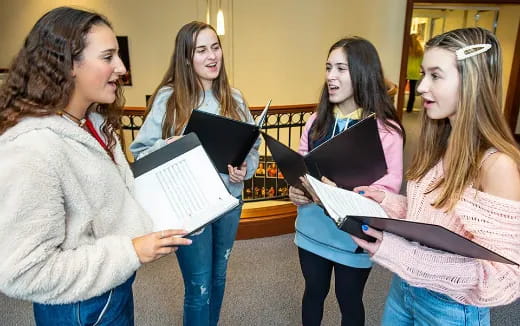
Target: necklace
[{"x": 80, "y": 122}]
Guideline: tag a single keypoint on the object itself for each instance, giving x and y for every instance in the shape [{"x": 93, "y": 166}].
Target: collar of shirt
[{"x": 354, "y": 115}]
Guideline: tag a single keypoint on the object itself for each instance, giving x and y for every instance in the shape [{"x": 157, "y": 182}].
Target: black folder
[
  {"x": 352, "y": 158},
  {"x": 164, "y": 154},
  {"x": 429, "y": 235},
  {"x": 227, "y": 141}
]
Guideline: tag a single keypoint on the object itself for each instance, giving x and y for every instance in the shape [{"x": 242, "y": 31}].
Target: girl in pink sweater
[{"x": 466, "y": 178}]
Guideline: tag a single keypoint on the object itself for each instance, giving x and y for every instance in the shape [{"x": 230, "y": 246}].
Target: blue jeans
[
  {"x": 114, "y": 307},
  {"x": 409, "y": 305},
  {"x": 203, "y": 265}
]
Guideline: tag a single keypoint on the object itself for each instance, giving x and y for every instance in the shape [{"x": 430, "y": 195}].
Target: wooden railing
[{"x": 284, "y": 122}]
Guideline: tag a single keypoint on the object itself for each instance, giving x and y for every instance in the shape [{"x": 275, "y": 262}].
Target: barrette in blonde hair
[{"x": 471, "y": 50}]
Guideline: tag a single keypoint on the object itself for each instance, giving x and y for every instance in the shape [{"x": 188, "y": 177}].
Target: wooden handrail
[
  {"x": 286, "y": 108},
  {"x": 134, "y": 110},
  {"x": 140, "y": 110}
]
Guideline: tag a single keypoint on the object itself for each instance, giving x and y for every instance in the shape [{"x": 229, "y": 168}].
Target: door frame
[{"x": 512, "y": 102}]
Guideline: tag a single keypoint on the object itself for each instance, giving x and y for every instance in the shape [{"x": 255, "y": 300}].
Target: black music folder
[
  {"x": 352, "y": 158},
  {"x": 179, "y": 187},
  {"x": 350, "y": 211},
  {"x": 226, "y": 141}
]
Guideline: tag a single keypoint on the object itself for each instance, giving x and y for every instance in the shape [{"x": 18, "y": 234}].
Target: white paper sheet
[
  {"x": 263, "y": 115},
  {"x": 341, "y": 203},
  {"x": 184, "y": 193}
]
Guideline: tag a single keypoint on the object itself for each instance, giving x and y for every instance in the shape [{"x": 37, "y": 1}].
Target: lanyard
[{"x": 336, "y": 124}]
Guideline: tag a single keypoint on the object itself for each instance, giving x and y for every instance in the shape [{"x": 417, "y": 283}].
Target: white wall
[
  {"x": 278, "y": 49},
  {"x": 151, "y": 27},
  {"x": 280, "y": 46}
]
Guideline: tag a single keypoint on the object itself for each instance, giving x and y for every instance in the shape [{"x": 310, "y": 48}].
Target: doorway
[{"x": 435, "y": 17}]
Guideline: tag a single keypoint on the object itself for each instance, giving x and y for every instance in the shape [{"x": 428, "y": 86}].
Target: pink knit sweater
[{"x": 488, "y": 220}]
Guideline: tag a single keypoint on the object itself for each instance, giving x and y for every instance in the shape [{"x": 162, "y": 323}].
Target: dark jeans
[
  {"x": 114, "y": 308},
  {"x": 411, "y": 95},
  {"x": 350, "y": 284},
  {"x": 203, "y": 265}
]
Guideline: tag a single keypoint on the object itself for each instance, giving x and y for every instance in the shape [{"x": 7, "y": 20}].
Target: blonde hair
[{"x": 479, "y": 124}]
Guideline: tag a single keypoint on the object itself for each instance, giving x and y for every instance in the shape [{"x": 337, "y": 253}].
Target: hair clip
[{"x": 471, "y": 50}]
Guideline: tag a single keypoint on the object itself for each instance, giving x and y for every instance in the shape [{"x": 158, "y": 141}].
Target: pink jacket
[
  {"x": 392, "y": 146},
  {"x": 488, "y": 220}
]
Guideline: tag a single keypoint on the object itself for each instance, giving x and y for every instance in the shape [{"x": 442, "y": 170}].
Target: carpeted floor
[{"x": 264, "y": 287}]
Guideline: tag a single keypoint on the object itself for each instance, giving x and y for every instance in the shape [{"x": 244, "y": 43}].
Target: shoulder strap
[{"x": 486, "y": 155}]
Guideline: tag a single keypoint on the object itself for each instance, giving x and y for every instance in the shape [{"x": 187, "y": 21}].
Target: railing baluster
[{"x": 258, "y": 188}]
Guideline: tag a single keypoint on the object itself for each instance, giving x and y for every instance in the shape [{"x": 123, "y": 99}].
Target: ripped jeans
[{"x": 203, "y": 265}]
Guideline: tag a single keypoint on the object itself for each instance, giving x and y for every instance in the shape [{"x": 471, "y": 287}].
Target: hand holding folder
[
  {"x": 353, "y": 157},
  {"x": 350, "y": 211},
  {"x": 226, "y": 141}
]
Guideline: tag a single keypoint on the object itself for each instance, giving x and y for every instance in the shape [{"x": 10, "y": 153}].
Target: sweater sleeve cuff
[
  {"x": 394, "y": 205},
  {"x": 158, "y": 144},
  {"x": 134, "y": 261}
]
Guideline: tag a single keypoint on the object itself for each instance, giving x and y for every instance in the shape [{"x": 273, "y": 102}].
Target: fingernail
[
  {"x": 361, "y": 192},
  {"x": 189, "y": 241},
  {"x": 364, "y": 227}
]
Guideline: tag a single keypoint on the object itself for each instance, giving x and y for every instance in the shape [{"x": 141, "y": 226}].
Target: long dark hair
[
  {"x": 40, "y": 80},
  {"x": 187, "y": 87},
  {"x": 368, "y": 84}
]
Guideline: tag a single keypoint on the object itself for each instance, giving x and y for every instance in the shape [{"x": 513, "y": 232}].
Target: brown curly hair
[{"x": 40, "y": 80}]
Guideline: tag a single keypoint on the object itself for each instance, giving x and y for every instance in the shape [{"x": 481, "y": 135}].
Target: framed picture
[
  {"x": 271, "y": 170},
  {"x": 126, "y": 79},
  {"x": 283, "y": 190},
  {"x": 270, "y": 187},
  {"x": 260, "y": 170}
]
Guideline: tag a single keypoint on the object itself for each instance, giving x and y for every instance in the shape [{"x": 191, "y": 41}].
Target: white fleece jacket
[{"x": 67, "y": 213}]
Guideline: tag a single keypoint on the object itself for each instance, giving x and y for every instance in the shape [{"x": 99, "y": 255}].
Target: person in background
[
  {"x": 466, "y": 178},
  {"x": 196, "y": 80},
  {"x": 260, "y": 170},
  {"x": 71, "y": 233},
  {"x": 354, "y": 88},
  {"x": 271, "y": 170},
  {"x": 413, "y": 69}
]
